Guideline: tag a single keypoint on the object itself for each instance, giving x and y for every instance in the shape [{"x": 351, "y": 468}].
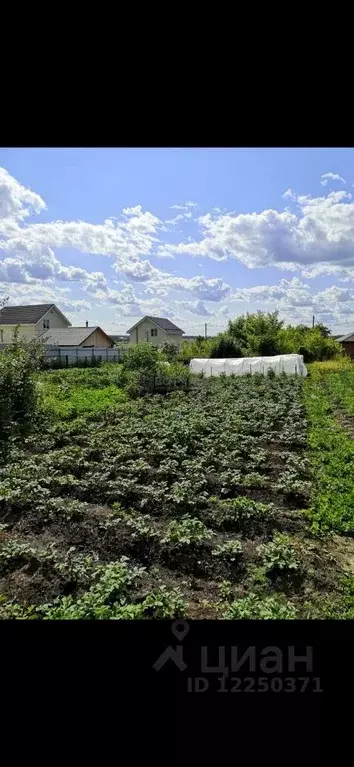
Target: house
[
  {"x": 348, "y": 344},
  {"x": 33, "y": 320},
  {"x": 86, "y": 337},
  {"x": 156, "y": 330}
]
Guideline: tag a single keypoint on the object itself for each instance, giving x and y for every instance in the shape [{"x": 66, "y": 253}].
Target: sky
[{"x": 195, "y": 235}]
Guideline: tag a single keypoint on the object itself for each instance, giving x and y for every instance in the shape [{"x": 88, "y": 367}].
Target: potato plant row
[{"x": 188, "y": 504}]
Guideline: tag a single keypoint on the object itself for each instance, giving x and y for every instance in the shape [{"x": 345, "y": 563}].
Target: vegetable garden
[{"x": 217, "y": 498}]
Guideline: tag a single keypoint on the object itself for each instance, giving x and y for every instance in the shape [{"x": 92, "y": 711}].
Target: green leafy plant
[
  {"x": 187, "y": 531},
  {"x": 278, "y": 555},
  {"x": 239, "y": 513},
  {"x": 229, "y": 551},
  {"x": 253, "y": 607}
]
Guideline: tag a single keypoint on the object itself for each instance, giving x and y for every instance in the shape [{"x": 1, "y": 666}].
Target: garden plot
[{"x": 190, "y": 504}]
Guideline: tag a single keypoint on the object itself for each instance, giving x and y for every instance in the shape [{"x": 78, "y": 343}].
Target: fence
[{"x": 71, "y": 355}]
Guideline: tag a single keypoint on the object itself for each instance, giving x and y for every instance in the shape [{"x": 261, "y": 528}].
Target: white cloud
[
  {"x": 213, "y": 289},
  {"x": 286, "y": 293},
  {"x": 188, "y": 216},
  {"x": 289, "y": 194},
  {"x": 32, "y": 294},
  {"x": 160, "y": 292},
  {"x": 320, "y": 231},
  {"x": 185, "y": 206},
  {"x": 74, "y": 305},
  {"x": 15, "y": 200},
  {"x": 331, "y": 177},
  {"x": 196, "y": 307}
]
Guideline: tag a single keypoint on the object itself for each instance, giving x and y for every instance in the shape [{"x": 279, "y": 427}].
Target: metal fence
[{"x": 70, "y": 355}]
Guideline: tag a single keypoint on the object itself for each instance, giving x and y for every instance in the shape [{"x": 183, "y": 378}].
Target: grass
[
  {"x": 68, "y": 394},
  {"x": 332, "y": 505}
]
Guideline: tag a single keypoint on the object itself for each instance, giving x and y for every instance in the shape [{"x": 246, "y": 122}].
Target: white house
[
  {"x": 33, "y": 320},
  {"x": 156, "y": 330}
]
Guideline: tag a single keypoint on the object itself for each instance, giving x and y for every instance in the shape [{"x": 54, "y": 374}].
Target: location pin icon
[{"x": 180, "y": 629}]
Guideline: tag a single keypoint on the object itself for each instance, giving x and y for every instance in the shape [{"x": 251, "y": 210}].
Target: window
[
  {"x": 1, "y": 336},
  {"x": 154, "y": 331},
  {"x": 46, "y": 324}
]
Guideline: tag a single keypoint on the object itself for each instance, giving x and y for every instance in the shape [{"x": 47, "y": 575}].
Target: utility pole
[
  {"x": 313, "y": 320},
  {"x": 205, "y": 330}
]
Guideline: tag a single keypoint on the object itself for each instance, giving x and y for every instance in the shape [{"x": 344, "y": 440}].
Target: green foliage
[
  {"x": 112, "y": 585},
  {"x": 312, "y": 343},
  {"x": 225, "y": 590},
  {"x": 337, "y": 365},
  {"x": 169, "y": 352},
  {"x": 332, "y": 501},
  {"x": 77, "y": 568},
  {"x": 263, "y": 334},
  {"x": 225, "y": 345},
  {"x": 14, "y": 553},
  {"x": 187, "y": 531},
  {"x": 64, "y": 403},
  {"x": 239, "y": 514},
  {"x": 230, "y": 551},
  {"x": 278, "y": 555},
  {"x": 141, "y": 356},
  {"x": 340, "y": 388},
  {"x": 253, "y": 607},
  {"x": 256, "y": 333},
  {"x": 140, "y": 524},
  {"x": 18, "y": 396},
  {"x": 164, "y": 603},
  {"x": 109, "y": 598},
  {"x": 200, "y": 347}
]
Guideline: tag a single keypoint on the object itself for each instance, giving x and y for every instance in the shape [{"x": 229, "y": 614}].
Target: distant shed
[{"x": 348, "y": 344}]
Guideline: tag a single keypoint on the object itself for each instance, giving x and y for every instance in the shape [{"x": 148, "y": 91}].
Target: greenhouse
[{"x": 292, "y": 364}]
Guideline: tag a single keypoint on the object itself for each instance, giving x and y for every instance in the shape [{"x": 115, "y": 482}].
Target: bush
[
  {"x": 141, "y": 356},
  {"x": 18, "y": 396},
  {"x": 312, "y": 343},
  {"x": 201, "y": 347},
  {"x": 226, "y": 346}
]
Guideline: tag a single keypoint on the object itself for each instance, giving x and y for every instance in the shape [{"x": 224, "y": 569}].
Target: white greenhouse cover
[{"x": 292, "y": 364}]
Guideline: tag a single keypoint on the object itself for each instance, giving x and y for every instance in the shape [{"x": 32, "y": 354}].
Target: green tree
[
  {"x": 19, "y": 362},
  {"x": 257, "y": 334},
  {"x": 141, "y": 356}
]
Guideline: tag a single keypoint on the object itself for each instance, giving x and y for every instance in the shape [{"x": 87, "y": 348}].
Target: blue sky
[{"x": 197, "y": 235}]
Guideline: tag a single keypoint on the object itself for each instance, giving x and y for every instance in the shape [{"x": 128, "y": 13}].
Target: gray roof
[
  {"x": 25, "y": 315},
  {"x": 162, "y": 322},
  {"x": 67, "y": 336},
  {"x": 348, "y": 338}
]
